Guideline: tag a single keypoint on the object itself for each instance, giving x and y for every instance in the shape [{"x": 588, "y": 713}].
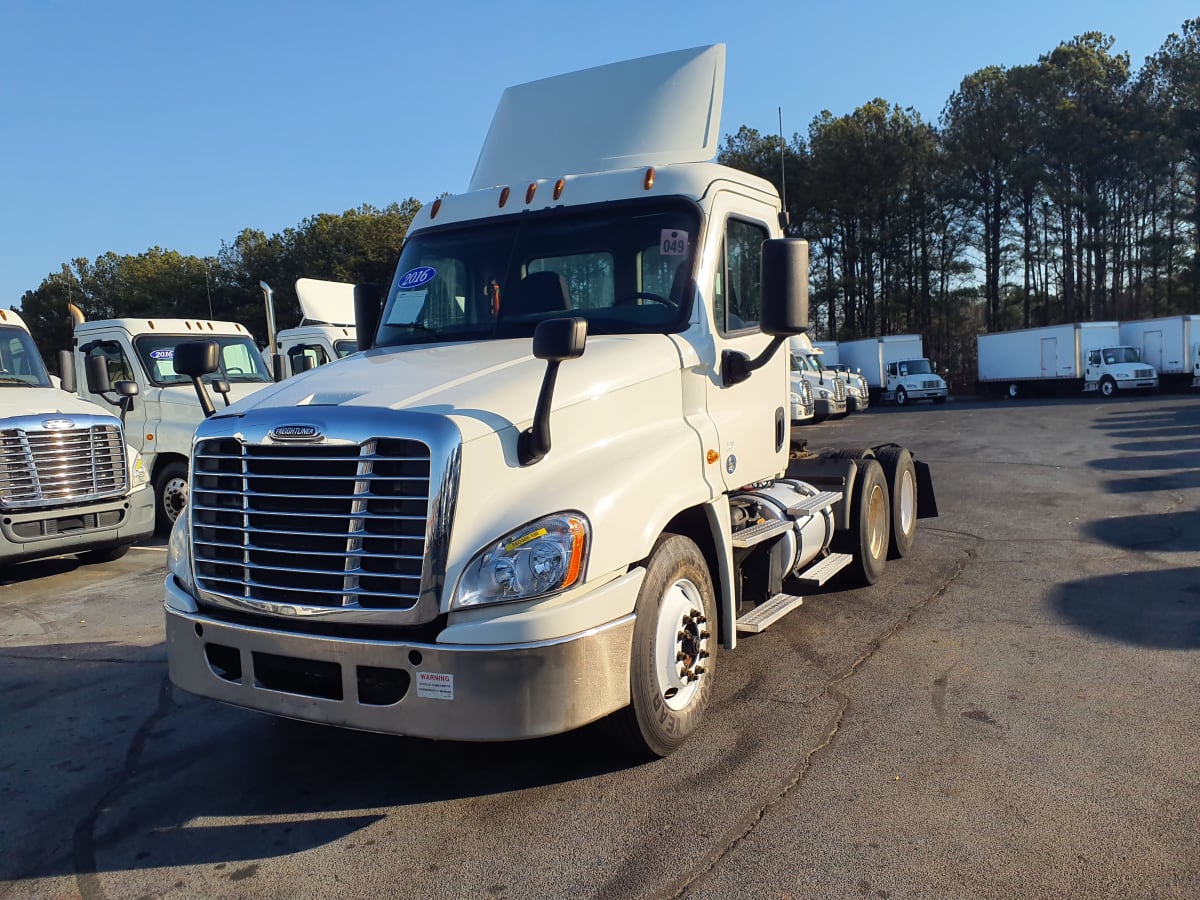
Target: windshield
[
  {"x": 1114, "y": 355},
  {"x": 20, "y": 362},
  {"x": 626, "y": 268},
  {"x": 239, "y": 359},
  {"x": 345, "y": 348},
  {"x": 799, "y": 363},
  {"x": 915, "y": 367}
]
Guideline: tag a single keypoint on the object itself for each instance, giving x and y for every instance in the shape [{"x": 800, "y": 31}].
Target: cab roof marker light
[
  {"x": 648, "y": 181},
  {"x": 503, "y": 197},
  {"x": 435, "y": 208},
  {"x": 558, "y": 187},
  {"x": 530, "y": 191}
]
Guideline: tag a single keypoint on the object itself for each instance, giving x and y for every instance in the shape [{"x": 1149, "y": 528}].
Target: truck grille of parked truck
[{"x": 47, "y": 460}]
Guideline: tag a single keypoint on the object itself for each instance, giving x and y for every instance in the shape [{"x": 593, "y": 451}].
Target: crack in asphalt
[
  {"x": 749, "y": 822},
  {"x": 84, "y": 838}
]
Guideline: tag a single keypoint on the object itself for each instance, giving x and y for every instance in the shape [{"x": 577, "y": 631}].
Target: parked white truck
[
  {"x": 1087, "y": 356},
  {"x": 166, "y": 413},
  {"x": 1171, "y": 345},
  {"x": 858, "y": 392},
  {"x": 326, "y": 329},
  {"x": 828, "y": 391},
  {"x": 552, "y": 482},
  {"x": 895, "y": 368},
  {"x": 69, "y": 482}
]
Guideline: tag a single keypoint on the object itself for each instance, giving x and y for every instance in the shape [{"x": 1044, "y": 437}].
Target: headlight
[
  {"x": 138, "y": 476},
  {"x": 824, "y": 393},
  {"x": 1122, "y": 374},
  {"x": 542, "y": 558},
  {"x": 179, "y": 553},
  {"x": 797, "y": 400}
]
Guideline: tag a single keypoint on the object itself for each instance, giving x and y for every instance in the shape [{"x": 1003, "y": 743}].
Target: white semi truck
[
  {"x": 895, "y": 368},
  {"x": 828, "y": 390},
  {"x": 556, "y": 477},
  {"x": 166, "y": 413},
  {"x": 326, "y": 329},
  {"x": 1170, "y": 344},
  {"x": 858, "y": 392},
  {"x": 69, "y": 482},
  {"x": 1076, "y": 356}
]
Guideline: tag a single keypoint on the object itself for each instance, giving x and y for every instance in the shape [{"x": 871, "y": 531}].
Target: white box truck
[
  {"x": 69, "y": 481},
  {"x": 1075, "y": 356},
  {"x": 1170, "y": 344},
  {"x": 895, "y": 368},
  {"x": 556, "y": 478},
  {"x": 167, "y": 411}
]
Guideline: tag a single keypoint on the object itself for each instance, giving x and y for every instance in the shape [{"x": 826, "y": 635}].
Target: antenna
[{"x": 784, "y": 219}]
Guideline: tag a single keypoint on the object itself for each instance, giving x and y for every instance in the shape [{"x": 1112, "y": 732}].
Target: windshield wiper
[
  {"x": 13, "y": 379},
  {"x": 415, "y": 326}
]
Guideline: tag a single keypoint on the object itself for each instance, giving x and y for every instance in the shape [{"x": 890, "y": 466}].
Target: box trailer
[
  {"x": 1074, "y": 356},
  {"x": 1170, "y": 344}
]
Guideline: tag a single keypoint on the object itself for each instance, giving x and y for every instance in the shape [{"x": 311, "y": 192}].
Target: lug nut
[
  {"x": 703, "y": 635},
  {"x": 699, "y": 670}
]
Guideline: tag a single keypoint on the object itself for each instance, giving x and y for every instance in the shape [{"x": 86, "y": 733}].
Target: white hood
[
  {"x": 19, "y": 401},
  {"x": 483, "y": 387}
]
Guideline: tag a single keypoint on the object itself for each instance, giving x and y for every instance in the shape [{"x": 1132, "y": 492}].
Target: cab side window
[
  {"x": 737, "y": 286},
  {"x": 118, "y": 363}
]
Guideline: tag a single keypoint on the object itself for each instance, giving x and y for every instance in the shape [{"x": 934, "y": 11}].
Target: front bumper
[
  {"x": 827, "y": 408},
  {"x": 485, "y": 692},
  {"x": 36, "y": 534},
  {"x": 1148, "y": 384}
]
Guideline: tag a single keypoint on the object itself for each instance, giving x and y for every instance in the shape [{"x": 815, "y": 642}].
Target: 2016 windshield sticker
[
  {"x": 435, "y": 685},
  {"x": 525, "y": 539},
  {"x": 164, "y": 353},
  {"x": 673, "y": 243},
  {"x": 414, "y": 278}
]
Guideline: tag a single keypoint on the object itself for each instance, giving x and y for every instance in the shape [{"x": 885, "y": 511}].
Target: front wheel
[
  {"x": 171, "y": 493},
  {"x": 1014, "y": 391},
  {"x": 674, "y": 650},
  {"x": 1108, "y": 387},
  {"x": 938, "y": 401},
  {"x": 901, "y": 396}
]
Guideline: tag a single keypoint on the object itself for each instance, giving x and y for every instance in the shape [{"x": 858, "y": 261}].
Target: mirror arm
[{"x": 736, "y": 367}]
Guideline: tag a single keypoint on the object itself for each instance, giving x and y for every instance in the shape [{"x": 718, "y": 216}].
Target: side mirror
[
  {"x": 66, "y": 369},
  {"x": 554, "y": 340},
  {"x": 126, "y": 388},
  {"x": 196, "y": 359},
  {"x": 784, "y": 286},
  {"x": 305, "y": 362},
  {"x": 368, "y": 306},
  {"x": 96, "y": 369},
  {"x": 221, "y": 386}
]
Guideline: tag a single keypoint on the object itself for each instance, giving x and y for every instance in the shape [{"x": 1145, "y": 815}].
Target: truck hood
[
  {"x": 485, "y": 387},
  {"x": 19, "y": 401},
  {"x": 183, "y": 396}
]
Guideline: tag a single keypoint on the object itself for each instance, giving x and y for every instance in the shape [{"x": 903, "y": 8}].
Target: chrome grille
[
  {"x": 52, "y": 467},
  {"x": 317, "y": 525},
  {"x": 839, "y": 389},
  {"x": 1143, "y": 373},
  {"x": 807, "y": 394},
  {"x": 930, "y": 384}
]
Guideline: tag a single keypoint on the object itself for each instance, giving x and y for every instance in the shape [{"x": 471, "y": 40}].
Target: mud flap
[{"x": 926, "y": 502}]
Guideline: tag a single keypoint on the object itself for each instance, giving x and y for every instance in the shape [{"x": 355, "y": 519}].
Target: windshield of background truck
[
  {"x": 20, "y": 362},
  {"x": 624, "y": 267},
  {"x": 345, "y": 348},
  {"x": 240, "y": 361},
  {"x": 1114, "y": 355},
  {"x": 915, "y": 367},
  {"x": 800, "y": 363}
]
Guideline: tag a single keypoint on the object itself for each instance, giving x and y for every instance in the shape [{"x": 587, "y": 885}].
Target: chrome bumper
[
  {"x": 450, "y": 692},
  {"x": 36, "y": 534}
]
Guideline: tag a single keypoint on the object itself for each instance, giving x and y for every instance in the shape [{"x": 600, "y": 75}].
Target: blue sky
[{"x": 128, "y": 125}]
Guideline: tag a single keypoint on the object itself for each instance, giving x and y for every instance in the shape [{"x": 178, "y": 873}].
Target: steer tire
[
  {"x": 866, "y": 540},
  {"x": 168, "y": 505},
  {"x": 1108, "y": 387},
  {"x": 676, "y": 616},
  {"x": 901, "y": 396},
  {"x": 901, "y": 477}
]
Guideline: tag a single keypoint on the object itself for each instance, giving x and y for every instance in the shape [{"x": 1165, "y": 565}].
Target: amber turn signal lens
[{"x": 648, "y": 181}]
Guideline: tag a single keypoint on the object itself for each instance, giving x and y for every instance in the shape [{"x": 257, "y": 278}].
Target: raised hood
[
  {"x": 483, "y": 387},
  {"x": 325, "y": 302},
  {"x": 656, "y": 110}
]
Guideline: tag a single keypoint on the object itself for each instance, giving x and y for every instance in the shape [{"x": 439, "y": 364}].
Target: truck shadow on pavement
[
  {"x": 1159, "y": 610},
  {"x": 1174, "y": 532},
  {"x": 104, "y": 755}
]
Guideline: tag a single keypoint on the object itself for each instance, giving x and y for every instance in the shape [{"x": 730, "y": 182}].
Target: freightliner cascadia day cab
[
  {"x": 828, "y": 391},
  {"x": 556, "y": 478},
  {"x": 858, "y": 392},
  {"x": 1077, "y": 356},
  {"x": 166, "y": 411},
  {"x": 895, "y": 368},
  {"x": 326, "y": 329},
  {"x": 69, "y": 482},
  {"x": 1170, "y": 345}
]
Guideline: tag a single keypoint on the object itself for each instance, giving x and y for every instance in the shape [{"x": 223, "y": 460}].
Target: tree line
[{"x": 1062, "y": 190}]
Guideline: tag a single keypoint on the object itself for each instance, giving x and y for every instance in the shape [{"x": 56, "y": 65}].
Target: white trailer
[
  {"x": 829, "y": 350},
  {"x": 895, "y": 368},
  {"x": 1170, "y": 344},
  {"x": 1087, "y": 356}
]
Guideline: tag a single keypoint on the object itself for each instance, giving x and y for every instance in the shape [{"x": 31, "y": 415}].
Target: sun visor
[
  {"x": 655, "y": 110},
  {"x": 326, "y": 302}
]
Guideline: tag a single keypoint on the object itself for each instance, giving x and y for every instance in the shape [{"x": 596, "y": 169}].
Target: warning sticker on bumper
[{"x": 435, "y": 685}]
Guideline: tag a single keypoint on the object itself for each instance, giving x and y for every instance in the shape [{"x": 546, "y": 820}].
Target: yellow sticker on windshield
[{"x": 525, "y": 539}]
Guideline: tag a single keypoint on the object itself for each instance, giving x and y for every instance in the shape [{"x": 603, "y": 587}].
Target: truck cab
[
  {"x": 165, "y": 415},
  {"x": 828, "y": 389},
  {"x": 1113, "y": 369},
  {"x": 909, "y": 380},
  {"x": 69, "y": 482},
  {"x": 326, "y": 329}
]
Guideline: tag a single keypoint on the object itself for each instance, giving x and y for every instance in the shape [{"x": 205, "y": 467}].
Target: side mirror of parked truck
[{"x": 195, "y": 359}]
